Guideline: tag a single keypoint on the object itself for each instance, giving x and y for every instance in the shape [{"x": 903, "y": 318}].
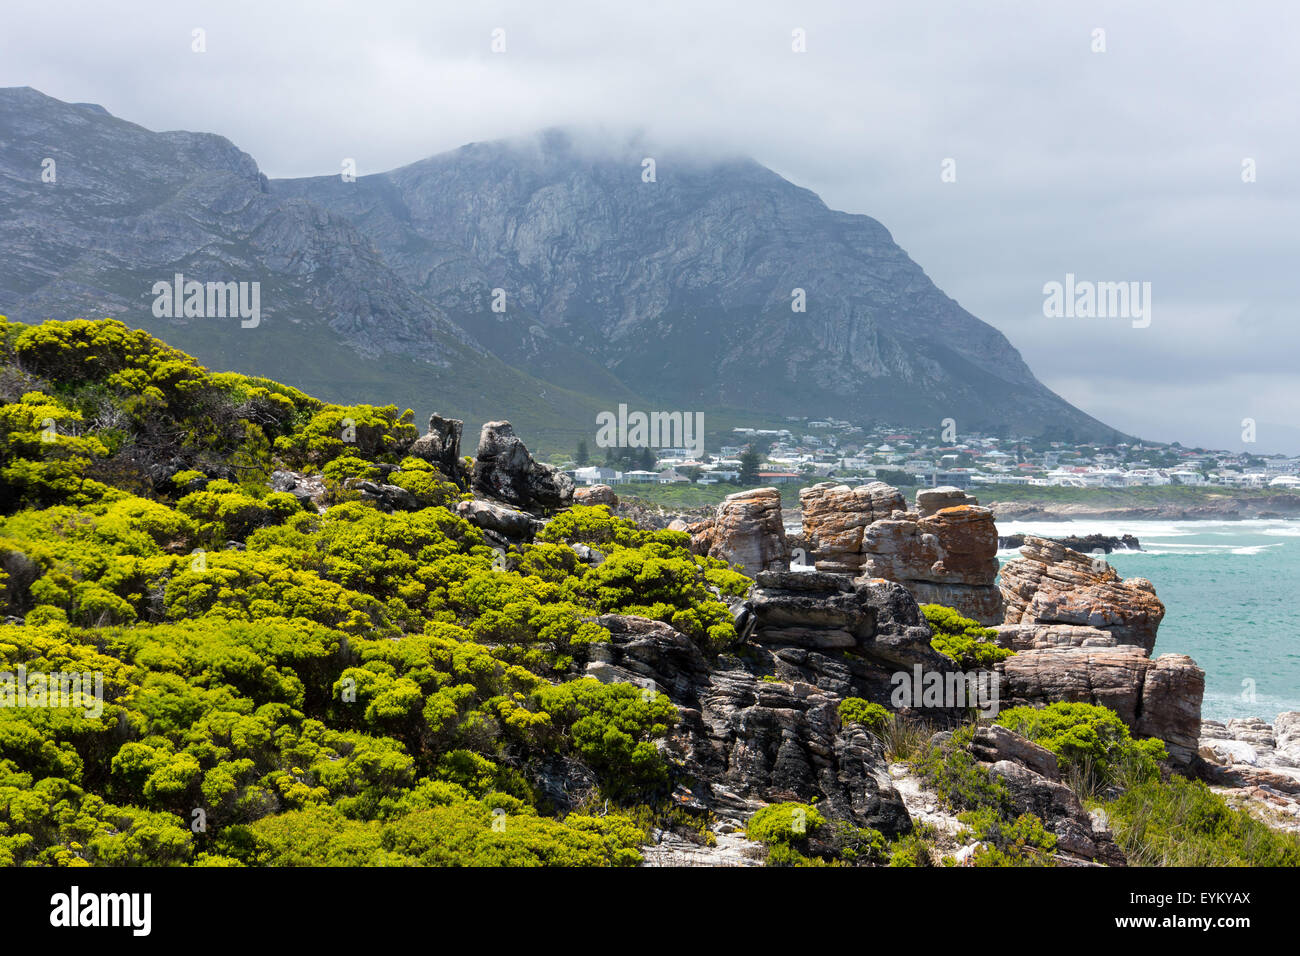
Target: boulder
[
  {"x": 595, "y": 495},
  {"x": 993, "y": 742},
  {"x": 506, "y": 472},
  {"x": 308, "y": 489},
  {"x": 932, "y": 500},
  {"x": 508, "y": 522},
  {"x": 1052, "y": 584},
  {"x": 747, "y": 531},
  {"x": 386, "y": 497},
  {"x": 1078, "y": 836}
]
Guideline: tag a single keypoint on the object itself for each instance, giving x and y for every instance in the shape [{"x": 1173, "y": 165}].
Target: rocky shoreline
[
  {"x": 1256, "y": 765},
  {"x": 834, "y": 613},
  {"x": 1227, "y": 508},
  {"x": 1085, "y": 544}
]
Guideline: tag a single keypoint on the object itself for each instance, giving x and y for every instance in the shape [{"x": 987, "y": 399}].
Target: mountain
[
  {"x": 129, "y": 208},
  {"x": 674, "y": 294}
]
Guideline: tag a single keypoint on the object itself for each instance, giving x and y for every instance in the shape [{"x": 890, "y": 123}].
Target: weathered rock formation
[
  {"x": 1257, "y": 764},
  {"x": 945, "y": 552},
  {"x": 440, "y": 446},
  {"x": 505, "y": 471},
  {"x": 933, "y": 500},
  {"x": 1031, "y": 776},
  {"x": 746, "y": 530},
  {"x": 1025, "y": 637},
  {"x": 498, "y": 520},
  {"x": 308, "y": 489},
  {"x": 1052, "y": 584},
  {"x": 1156, "y": 698},
  {"x": 1081, "y": 634},
  {"x": 836, "y": 516},
  {"x": 386, "y": 497},
  {"x": 764, "y": 726}
]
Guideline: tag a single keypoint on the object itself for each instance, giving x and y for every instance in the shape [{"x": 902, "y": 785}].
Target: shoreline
[{"x": 1280, "y": 507}]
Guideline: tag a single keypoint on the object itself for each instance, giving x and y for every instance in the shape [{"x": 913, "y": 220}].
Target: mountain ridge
[{"x": 595, "y": 264}]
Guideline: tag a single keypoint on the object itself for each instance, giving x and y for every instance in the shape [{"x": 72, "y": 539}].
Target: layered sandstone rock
[
  {"x": 1155, "y": 698},
  {"x": 746, "y": 530},
  {"x": 932, "y": 500},
  {"x": 1033, "y": 780},
  {"x": 765, "y": 726},
  {"x": 835, "y": 517},
  {"x": 505, "y": 471},
  {"x": 1051, "y": 584},
  {"x": 944, "y": 553},
  {"x": 742, "y": 741},
  {"x": 1025, "y": 637}
]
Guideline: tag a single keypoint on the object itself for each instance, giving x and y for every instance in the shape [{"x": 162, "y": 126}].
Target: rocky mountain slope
[
  {"x": 671, "y": 294},
  {"x": 702, "y": 262},
  {"x": 129, "y": 208}
]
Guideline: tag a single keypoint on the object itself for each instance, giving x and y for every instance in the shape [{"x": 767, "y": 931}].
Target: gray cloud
[{"x": 1113, "y": 166}]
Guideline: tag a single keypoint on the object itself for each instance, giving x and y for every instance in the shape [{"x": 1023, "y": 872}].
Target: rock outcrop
[
  {"x": 1156, "y": 698},
  {"x": 1026, "y": 637},
  {"x": 1256, "y": 765},
  {"x": 945, "y": 552},
  {"x": 764, "y": 726},
  {"x": 1032, "y": 778},
  {"x": 308, "y": 489},
  {"x": 835, "y": 518},
  {"x": 746, "y": 530},
  {"x": 505, "y": 471},
  {"x": 1052, "y": 584},
  {"x": 384, "y": 496},
  {"x": 440, "y": 446},
  {"x": 1086, "y": 544},
  {"x": 1083, "y": 635},
  {"x": 933, "y": 500}
]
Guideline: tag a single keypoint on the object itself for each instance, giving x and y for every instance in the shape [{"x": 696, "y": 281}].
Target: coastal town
[{"x": 816, "y": 450}]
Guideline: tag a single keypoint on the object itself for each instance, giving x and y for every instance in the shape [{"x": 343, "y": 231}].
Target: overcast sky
[{"x": 1123, "y": 165}]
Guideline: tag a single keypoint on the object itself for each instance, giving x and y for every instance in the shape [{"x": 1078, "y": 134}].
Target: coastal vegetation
[{"x": 286, "y": 686}]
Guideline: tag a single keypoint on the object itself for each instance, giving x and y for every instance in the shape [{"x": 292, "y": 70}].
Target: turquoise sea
[{"x": 1232, "y": 597}]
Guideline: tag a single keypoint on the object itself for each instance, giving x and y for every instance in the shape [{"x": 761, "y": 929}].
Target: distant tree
[
  {"x": 749, "y": 462},
  {"x": 583, "y": 457},
  {"x": 894, "y": 477},
  {"x": 646, "y": 459}
]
